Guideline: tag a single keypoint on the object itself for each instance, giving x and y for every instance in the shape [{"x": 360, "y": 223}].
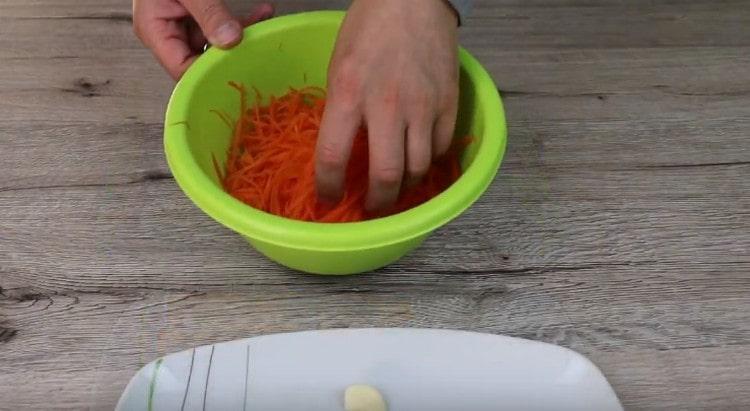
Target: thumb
[{"x": 217, "y": 23}]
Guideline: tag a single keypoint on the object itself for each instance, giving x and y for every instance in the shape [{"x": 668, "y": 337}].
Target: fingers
[
  {"x": 168, "y": 40},
  {"x": 197, "y": 38},
  {"x": 387, "y": 154},
  {"x": 217, "y": 23},
  {"x": 445, "y": 126},
  {"x": 176, "y": 40},
  {"x": 174, "y": 55},
  {"x": 418, "y": 150},
  {"x": 157, "y": 25},
  {"x": 338, "y": 128}
]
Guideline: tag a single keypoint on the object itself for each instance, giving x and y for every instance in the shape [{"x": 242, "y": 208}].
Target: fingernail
[{"x": 228, "y": 34}]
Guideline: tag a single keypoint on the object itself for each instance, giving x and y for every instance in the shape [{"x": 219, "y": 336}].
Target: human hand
[
  {"x": 177, "y": 30},
  {"x": 395, "y": 71}
]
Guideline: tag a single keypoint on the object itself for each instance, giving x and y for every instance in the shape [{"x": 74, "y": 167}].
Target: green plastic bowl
[{"x": 294, "y": 51}]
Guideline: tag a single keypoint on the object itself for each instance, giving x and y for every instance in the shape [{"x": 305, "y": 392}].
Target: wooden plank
[
  {"x": 49, "y": 154},
  {"x": 150, "y": 230},
  {"x": 648, "y": 345},
  {"x": 658, "y": 306},
  {"x": 103, "y": 52},
  {"x": 626, "y": 154},
  {"x": 692, "y": 379},
  {"x": 92, "y": 9}
]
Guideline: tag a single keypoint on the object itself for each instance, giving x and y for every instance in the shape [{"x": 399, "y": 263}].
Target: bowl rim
[{"x": 280, "y": 231}]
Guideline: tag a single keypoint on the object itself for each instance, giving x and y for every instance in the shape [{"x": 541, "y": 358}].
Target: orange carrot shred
[
  {"x": 270, "y": 162},
  {"x": 217, "y": 169}
]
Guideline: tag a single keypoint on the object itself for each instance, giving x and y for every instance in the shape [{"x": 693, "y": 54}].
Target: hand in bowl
[{"x": 394, "y": 70}]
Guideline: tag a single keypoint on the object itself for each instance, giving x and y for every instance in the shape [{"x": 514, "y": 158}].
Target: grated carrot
[{"x": 270, "y": 162}]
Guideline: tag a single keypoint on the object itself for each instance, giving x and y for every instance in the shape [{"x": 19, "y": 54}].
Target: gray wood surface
[{"x": 619, "y": 226}]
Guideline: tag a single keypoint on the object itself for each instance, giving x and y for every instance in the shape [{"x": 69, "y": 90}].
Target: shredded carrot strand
[{"x": 270, "y": 162}]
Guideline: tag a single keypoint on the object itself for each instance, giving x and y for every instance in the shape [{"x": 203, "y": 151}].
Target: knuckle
[
  {"x": 423, "y": 99},
  {"x": 442, "y": 142},
  {"x": 419, "y": 168},
  {"x": 442, "y": 145},
  {"x": 388, "y": 176},
  {"x": 391, "y": 95},
  {"x": 210, "y": 9},
  {"x": 345, "y": 84},
  {"x": 387, "y": 102},
  {"x": 329, "y": 158},
  {"x": 450, "y": 99},
  {"x": 422, "y": 107}
]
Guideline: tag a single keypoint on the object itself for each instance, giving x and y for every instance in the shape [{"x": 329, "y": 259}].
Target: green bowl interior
[{"x": 293, "y": 51}]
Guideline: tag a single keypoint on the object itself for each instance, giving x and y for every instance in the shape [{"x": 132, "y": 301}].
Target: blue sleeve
[{"x": 463, "y": 7}]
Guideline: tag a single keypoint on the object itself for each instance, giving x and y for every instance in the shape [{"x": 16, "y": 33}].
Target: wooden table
[{"x": 619, "y": 226}]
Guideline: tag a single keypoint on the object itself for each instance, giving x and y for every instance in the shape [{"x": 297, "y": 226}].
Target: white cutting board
[{"x": 413, "y": 369}]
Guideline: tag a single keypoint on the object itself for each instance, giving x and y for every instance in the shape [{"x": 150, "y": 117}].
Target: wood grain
[{"x": 619, "y": 225}]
